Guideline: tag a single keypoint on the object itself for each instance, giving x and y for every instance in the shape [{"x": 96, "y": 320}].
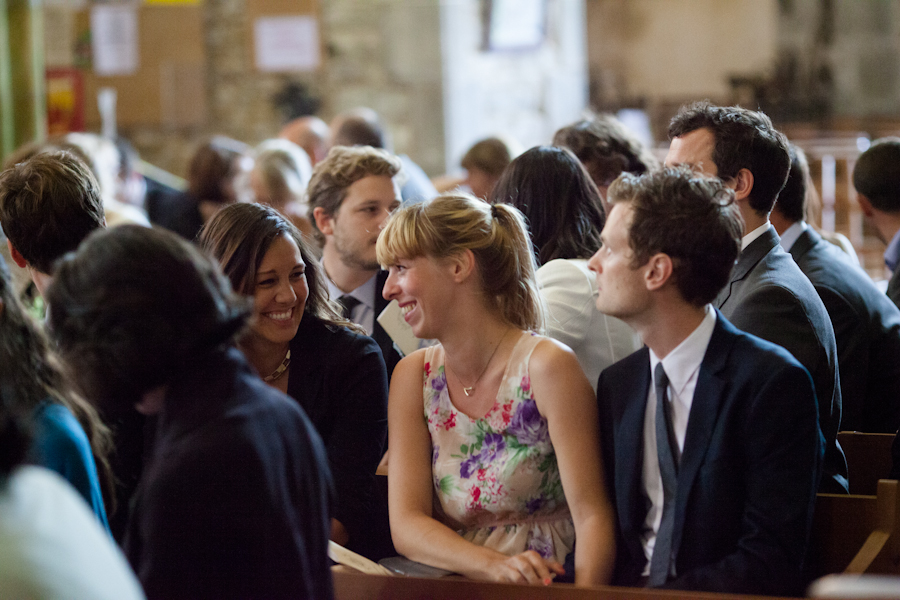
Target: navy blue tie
[{"x": 668, "y": 455}]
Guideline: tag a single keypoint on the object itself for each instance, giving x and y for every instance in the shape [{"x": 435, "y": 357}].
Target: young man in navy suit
[{"x": 710, "y": 435}]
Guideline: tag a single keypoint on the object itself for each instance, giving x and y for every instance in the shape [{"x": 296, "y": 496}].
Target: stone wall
[
  {"x": 419, "y": 63},
  {"x": 677, "y": 49}
]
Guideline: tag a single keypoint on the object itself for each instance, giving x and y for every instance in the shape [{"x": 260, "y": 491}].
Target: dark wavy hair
[
  {"x": 691, "y": 218},
  {"x": 606, "y": 148},
  {"x": 31, "y": 374},
  {"x": 134, "y": 308},
  {"x": 558, "y": 198},
  {"x": 238, "y": 236},
  {"x": 744, "y": 139}
]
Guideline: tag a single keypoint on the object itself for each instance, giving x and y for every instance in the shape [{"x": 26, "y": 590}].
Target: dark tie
[
  {"x": 668, "y": 455},
  {"x": 348, "y": 303}
]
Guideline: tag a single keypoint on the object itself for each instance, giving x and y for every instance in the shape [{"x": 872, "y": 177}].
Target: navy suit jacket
[
  {"x": 233, "y": 502},
  {"x": 748, "y": 474},
  {"x": 867, "y": 330},
  {"x": 770, "y": 297}
]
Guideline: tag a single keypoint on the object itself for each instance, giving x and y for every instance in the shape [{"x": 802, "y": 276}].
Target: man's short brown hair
[
  {"x": 344, "y": 166},
  {"x": 48, "y": 205},
  {"x": 744, "y": 139},
  {"x": 691, "y": 218}
]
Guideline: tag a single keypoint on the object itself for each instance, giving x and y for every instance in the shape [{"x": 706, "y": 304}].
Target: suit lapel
[
  {"x": 708, "y": 398},
  {"x": 747, "y": 259},
  {"x": 631, "y": 501}
]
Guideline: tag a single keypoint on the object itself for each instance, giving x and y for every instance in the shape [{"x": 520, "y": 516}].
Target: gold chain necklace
[
  {"x": 281, "y": 368},
  {"x": 468, "y": 391}
]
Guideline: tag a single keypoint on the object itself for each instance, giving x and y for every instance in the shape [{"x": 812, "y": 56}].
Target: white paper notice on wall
[
  {"x": 114, "y": 39},
  {"x": 288, "y": 43}
]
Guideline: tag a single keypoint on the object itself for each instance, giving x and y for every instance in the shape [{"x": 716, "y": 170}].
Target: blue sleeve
[{"x": 61, "y": 445}]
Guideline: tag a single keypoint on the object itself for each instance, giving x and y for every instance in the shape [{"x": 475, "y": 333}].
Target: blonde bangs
[{"x": 400, "y": 237}]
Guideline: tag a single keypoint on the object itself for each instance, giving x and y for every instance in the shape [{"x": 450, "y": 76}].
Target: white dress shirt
[
  {"x": 363, "y": 314},
  {"x": 681, "y": 366},
  {"x": 751, "y": 237},
  {"x": 792, "y": 234}
]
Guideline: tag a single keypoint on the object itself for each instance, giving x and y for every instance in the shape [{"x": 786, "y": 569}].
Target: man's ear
[
  {"x": 866, "y": 205},
  {"x": 323, "y": 220},
  {"x": 658, "y": 271},
  {"x": 743, "y": 184},
  {"x": 16, "y": 256}
]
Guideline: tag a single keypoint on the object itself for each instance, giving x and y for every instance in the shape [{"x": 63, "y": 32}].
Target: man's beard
[{"x": 350, "y": 256}]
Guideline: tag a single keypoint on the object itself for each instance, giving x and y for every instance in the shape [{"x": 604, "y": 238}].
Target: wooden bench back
[{"x": 868, "y": 459}]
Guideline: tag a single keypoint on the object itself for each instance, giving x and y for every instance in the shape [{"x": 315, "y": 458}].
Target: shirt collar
[
  {"x": 681, "y": 363},
  {"x": 364, "y": 293},
  {"x": 892, "y": 253},
  {"x": 792, "y": 234},
  {"x": 751, "y": 237}
]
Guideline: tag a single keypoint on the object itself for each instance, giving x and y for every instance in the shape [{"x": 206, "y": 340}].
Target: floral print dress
[{"x": 496, "y": 480}]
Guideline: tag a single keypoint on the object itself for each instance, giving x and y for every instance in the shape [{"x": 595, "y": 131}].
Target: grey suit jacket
[
  {"x": 768, "y": 296},
  {"x": 867, "y": 329}
]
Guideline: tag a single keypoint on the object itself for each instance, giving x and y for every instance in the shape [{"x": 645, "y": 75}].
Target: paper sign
[
  {"x": 391, "y": 319},
  {"x": 285, "y": 44},
  {"x": 114, "y": 39}
]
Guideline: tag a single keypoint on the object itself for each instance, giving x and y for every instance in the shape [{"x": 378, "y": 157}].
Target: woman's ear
[{"x": 462, "y": 265}]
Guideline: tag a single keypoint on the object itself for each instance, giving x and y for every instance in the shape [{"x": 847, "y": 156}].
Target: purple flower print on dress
[
  {"x": 439, "y": 383},
  {"x": 492, "y": 446},
  {"x": 542, "y": 544},
  {"x": 469, "y": 465},
  {"x": 434, "y": 454},
  {"x": 528, "y": 425},
  {"x": 534, "y": 505}
]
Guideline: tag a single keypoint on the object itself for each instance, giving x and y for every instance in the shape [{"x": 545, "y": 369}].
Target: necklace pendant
[{"x": 468, "y": 390}]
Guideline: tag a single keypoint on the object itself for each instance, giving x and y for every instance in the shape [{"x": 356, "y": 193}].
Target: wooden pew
[
  {"x": 868, "y": 459},
  {"x": 856, "y": 534},
  {"x": 349, "y": 585}
]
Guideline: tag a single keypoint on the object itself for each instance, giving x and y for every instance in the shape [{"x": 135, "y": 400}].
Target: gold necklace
[
  {"x": 281, "y": 368},
  {"x": 468, "y": 391}
]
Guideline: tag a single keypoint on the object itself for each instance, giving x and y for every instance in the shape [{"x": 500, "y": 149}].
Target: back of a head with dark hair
[
  {"x": 877, "y": 174},
  {"x": 213, "y": 165},
  {"x": 792, "y": 199},
  {"x": 691, "y": 218},
  {"x": 606, "y": 148},
  {"x": 48, "y": 205},
  {"x": 134, "y": 308},
  {"x": 559, "y": 200},
  {"x": 359, "y": 127},
  {"x": 744, "y": 139}
]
